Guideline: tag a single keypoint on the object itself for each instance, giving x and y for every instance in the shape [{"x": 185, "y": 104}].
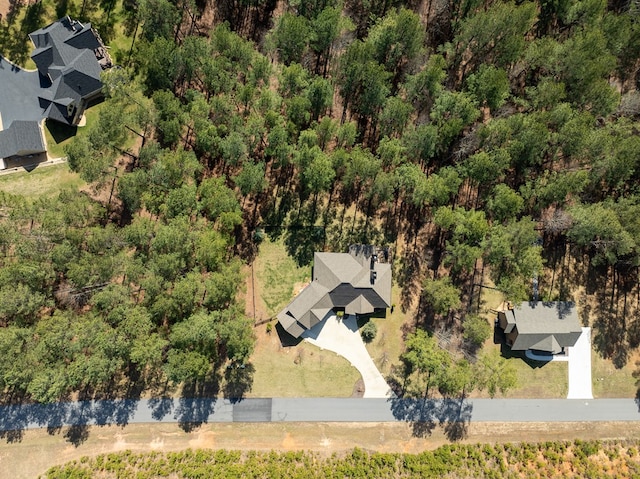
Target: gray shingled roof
[
  {"x": 65, "y": 52},
  {"x": 68, "y": 55},
  {"x": 545, "y": 326},
  {"x": 340, "y": 280},
  {"x": 21, "y": 138}
]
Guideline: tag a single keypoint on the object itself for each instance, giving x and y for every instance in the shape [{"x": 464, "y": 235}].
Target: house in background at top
[
  {"x": 355, "y": 282},
  {"x": 72, "y": 56},
  {"x": 547, "y": 327}
]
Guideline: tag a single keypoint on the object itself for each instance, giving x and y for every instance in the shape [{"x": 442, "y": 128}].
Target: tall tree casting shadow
[
  {"x": 238, "y": 381},
  {"x": 77, "y": 435}
]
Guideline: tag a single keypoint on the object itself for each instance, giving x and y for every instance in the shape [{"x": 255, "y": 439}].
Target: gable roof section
[
  {"x": 21, "y": 138},
  {"x": 66, "y": 52},
  {"x": 545, "y": 326},
  {"x": 359, "y": 305},
  {"x": 333, "y": 269},
  {"x": 343, "y": 280}
]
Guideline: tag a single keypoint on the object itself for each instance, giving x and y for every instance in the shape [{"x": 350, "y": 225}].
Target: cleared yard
[
  {"x": 388, "y": 345},
  {"x": 539, "y": 379},
  {"x": 299, "y": 371},
  {"x": 278, "y": 276},
  {"x": 42, "y": 182},
  {"x": 302, "y": 370},
  {"x": 610, "y": 382}
]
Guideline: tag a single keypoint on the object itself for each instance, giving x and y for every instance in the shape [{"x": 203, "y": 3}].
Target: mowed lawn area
[
  {"x": 277, "y": 276},
  {"x": 612, "y": 382},
  {"x": 42, "y": 182},
  {"x": 300, "y": 370},
  {"x": 388, "y": 345}
]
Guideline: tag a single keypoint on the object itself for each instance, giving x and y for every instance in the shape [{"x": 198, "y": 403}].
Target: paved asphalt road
[{"x": 196, "y": 411}]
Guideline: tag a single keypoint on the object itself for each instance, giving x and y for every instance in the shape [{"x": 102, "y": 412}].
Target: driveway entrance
[
  {"x": 580, "y": 367},
  {"x": 343, "y": 337}
]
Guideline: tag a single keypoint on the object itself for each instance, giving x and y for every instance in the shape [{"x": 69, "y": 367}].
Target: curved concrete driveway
[{"x": 342, "y": 337}]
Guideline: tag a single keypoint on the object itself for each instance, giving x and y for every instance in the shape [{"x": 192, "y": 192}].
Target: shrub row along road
[{"x": 194, "y": 411}]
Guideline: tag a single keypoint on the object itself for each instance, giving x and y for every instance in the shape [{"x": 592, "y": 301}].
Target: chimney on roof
[{"x": 374, "y": 275}]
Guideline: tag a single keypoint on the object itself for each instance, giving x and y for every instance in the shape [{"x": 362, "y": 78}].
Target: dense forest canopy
[{"x": 470, "y": 135}]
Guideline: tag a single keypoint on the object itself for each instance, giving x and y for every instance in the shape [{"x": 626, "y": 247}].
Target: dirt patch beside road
[
  {"x": 39, "y": 450},
  {"x": 4, "y": 8}
]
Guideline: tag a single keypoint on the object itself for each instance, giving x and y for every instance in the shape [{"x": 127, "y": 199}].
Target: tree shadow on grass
[
  {"x": 302, "y": 241},
  {"x": 616, "y": 329},
  {"x": 77, "y": 435},
  {"x": 409, "y": 277},
  {"x": 275, "y": 215},
  {"x": 238, "y": 381}
]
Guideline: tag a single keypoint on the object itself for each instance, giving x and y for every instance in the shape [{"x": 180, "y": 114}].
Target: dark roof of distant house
[
  {"x": 65, "y": 51},
  {"x": 21, "y": 138},
  {"x": 355, "y": 281},
  {"x": 544, "y": 326}
]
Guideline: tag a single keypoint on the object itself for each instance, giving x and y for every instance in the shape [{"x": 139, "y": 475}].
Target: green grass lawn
[
  {"x": 535, "y": 379},
  {"x": 538, "y": 379},
  {"x": 44, "y": 181},
  {"x": 611, "y": 382},
  {"x": 277, "y": 275},
  {"x": 388, "y": 345},
  {"x": 299, "y": 371}
]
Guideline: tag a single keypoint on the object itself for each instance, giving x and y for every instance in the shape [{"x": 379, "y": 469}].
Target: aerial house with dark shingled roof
[
  {"x": 355, "y": 282},
  {"x": 72, "y": 56},
  {"x": 549, "y": 327}
]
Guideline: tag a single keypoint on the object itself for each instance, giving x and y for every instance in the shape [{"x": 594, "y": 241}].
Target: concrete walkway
[
  {"x": 30, "y": 167},
  {"x": 342, "y": 337},
  {"x": 580, "y": 367}
]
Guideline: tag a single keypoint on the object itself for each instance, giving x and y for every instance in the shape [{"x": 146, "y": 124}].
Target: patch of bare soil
[
  {"x": 358, "y": 389},
  {"x": 38, "y": 450},
  {"x": 4, "y": 8}
]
